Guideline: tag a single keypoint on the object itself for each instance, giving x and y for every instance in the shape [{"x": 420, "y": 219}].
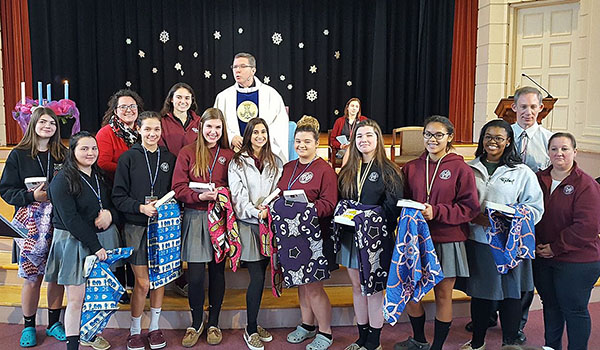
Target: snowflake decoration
[
  {"x": 313, "y": 69},
  {"x": 128, "y": 41},
  {"x": 128, "y": 83},
  {"x": 154, "y": 70},
  {"x": 240, "y": 30},
  {"x": 337, "y": 55},
  {"x": 266, "y": 80},
  {"x": 277, "y": 39},
  {"x": 290, "y": 86},
  {"x": 311, "y": 95},
  {"x": 282, "y": 77},
  {"x": 164, "y": 36},
  {"x": 177, "y": 66},
  {"x": 349, "y": 83},
  {"x": 180, "y": 47},
  {"x": 301, "y": 45},
  {"x": 336, "y": 112},
  {"x": 223, "y": 76},
  {"x": 217, "y": 35},
  {"x": 181, "y": 72},
  {"x": 141, "y": 53},
  {"x": 195, "y": 54},
  {"x": 207, "y": 74},
  {"x": 326, "y": 32}
]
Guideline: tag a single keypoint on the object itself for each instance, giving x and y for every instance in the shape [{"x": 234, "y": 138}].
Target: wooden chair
[
  {"x": 335, "y": 162},
  {"x": 409, "y": 140}
]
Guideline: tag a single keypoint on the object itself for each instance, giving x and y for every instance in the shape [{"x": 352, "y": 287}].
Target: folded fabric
[
  {"x": 415, "y": 268},
  {"x": 268, "y": 248},
  {"x": 223, "y": 229},
  {"x": 36, "y": 220},
  {"x": 164, "y": 245},
  {"x": 511, "y": 237}
]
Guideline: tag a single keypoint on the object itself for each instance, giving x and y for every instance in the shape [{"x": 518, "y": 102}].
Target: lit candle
[
  {"x": 22, "y": 92},
  {"x": 40, "y": 95},
  {"x": 66, "y": 89},
  {"x": 49, "y": 92}
]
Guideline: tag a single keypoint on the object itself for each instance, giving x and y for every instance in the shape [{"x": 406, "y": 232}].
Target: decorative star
[
  {"x": 180, "y": 47},
  {"x": 207, "y": 74},
  {"x": 177, "y": 66},
  {"x": 141, "y": 53},
  {"x": 266, "y": 80},
  {"x": 290, "y": 86},
  {"x": 301, "y": 45},
  {"x": 195, "y": 54},
  {"x": 217, "y": 35},
  {"x": 313, "y": 69},
  {"x": 154, "y": 70},
  {"x": 163, "y": 36},
  {"x": 277, "y": 39},
  {"x": 128, "y": 41},
  {"x": 240, "y": 30},
  {"x": 128, "y": 83},
  {"x": 336, "y": 112},
  {"x": 181, "y": 72},
  {"x": 311, "y": 95},
  {"x": 223, "y": 76},
  {"x": 326, "y": 32},
  {"x": 282, "y": 77},
  {"x": 336, "y": 55},
  {"x": 349, "y": 83}
]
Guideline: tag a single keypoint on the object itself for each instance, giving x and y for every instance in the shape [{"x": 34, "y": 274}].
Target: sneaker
[
  {"x": 467, "y": 346},
  {"x": 99, "y": 343},
  {"x": 253, "y": 341},
  {"x": 377, "y": 348},
  {"x": 135, "y": 342},
  {"x": 156, "y": 339},
  {"x": 264, "y": 334},
  {"x": 214, "y": 335},
  {"x": 353, "y": 346},
  {"x": 411, "y": 344},
  {"x": 191, "y": 336}
]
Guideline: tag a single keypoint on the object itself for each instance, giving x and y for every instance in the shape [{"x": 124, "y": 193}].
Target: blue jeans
[{"x": 565, "y": 290}]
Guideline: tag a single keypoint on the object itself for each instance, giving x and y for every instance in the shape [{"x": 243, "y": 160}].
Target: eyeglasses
[
  {"x": 124, "y": 108},
  {"x": 438, "y": 135},
  {"x": 241, "y": 66},
  {"x": 497, "y": 139}
]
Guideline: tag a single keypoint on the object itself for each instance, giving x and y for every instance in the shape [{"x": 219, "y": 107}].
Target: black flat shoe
[{"x": 125, "y": 300}]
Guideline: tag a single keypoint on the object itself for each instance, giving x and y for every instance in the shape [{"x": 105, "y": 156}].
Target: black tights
[
  {"x": 216, "y": 291},
  {"x": 510, "y": 317},
  {"x": 256, "y": 269}
]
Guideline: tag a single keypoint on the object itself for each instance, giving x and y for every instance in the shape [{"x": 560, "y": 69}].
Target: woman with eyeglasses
[
  {"x": 501, "y": 178},
  {"x": 445, "y": 184}
]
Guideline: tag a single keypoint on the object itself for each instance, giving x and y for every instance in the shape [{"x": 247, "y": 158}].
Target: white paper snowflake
[
  {"x": 207, "y": 74},
  {"x": 128, "y": 41},
  {"x": 313, "y": 69},
  {"x": 177, "y": 66},
  {"x": 141, "y": 53},
  {"x": 282, "y": 77},
  {"x": 336, "y": 112},
  {"x": 240, "y": 30},
  {"x": 277, "y": 39},
  {"x": 223, "y": 76},
  {"x": 128, "y": 83},
  {"x": 217, "y": 35},
  {"x": 301, "y": 45},
  {"x": 180, "y": 48},
  {"x": 164, "y": 36},
  {"x": 349, "y": 83},
  {"x": 326, "y": 32},
  {"x": 266, "y": 80},
  {"x": 181, "y": 72},
  {"x": 154, "y": 70},
  {"x": 311, "y": 95},
  {"x": 337, "y": 55},
  {"x": 195, "y": 54},
  {"x": 290, "y": 86}
]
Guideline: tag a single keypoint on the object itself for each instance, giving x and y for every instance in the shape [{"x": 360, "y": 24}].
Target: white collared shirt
[{"x": 537, "y": 147}]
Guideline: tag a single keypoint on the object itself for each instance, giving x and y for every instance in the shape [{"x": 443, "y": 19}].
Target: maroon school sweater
[
  {"x": 453, "y": 195},
  {"x": 174, "y": 136}
]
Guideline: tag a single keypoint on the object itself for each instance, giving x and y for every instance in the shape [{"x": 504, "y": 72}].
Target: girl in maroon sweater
[
  {"x": 567, "y": 263},
  {"x": 344, "y": 125},
  {"x": 446, "y": 185},
  {"x": 179, "y": 119},
  {"x": 319, "y": 181},
  {"x": 207, "y": 161}
]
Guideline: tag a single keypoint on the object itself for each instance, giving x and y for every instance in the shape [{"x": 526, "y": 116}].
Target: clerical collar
[{"x": 249, "y": 87}]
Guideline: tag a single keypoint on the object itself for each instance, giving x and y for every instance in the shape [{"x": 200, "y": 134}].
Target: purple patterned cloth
[
  {"x": 373, "y": 242},
  {"x": 299, "y": 242}
]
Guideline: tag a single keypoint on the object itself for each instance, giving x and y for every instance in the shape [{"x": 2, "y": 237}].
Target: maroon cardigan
[
  {"x": 337, "y": 131},
  {"x": 174, "y": 136}
]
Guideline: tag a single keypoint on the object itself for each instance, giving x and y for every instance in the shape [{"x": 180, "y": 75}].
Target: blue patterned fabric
[
  {"x": 164, "y": 245},
  {"x": 36, "y": 220},
  {"x": 415, "y": 267},
  {"x": 511, "y": 237},
  {"x": 373, "y": 242},
  {"x": 102, "y": 294}
]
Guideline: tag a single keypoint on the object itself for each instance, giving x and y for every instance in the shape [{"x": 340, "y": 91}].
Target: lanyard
[
  {"x": 210, "y": 170},
  {"x": 152, "y": 180},
  {"x": 41, "y": 167},
  {"x": 97, "y": 193},
  {"x": 360, "y": 180},
  {"x": 290, "y": 182},
  {"x": 437, "y": 167}
]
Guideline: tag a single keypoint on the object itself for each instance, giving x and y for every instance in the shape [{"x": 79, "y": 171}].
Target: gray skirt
[
  {"x": 486, "y": 282},
  {"x": 110, "y": 239},
  {"x": 137, "y": 237},
  {"x": 66, "y": 259},
  {"x": 195, "y": 238},
  {"x": 249, "y": 235},
  {"x": 453, "y": 259},
  {"x": 348, "y": 254}
]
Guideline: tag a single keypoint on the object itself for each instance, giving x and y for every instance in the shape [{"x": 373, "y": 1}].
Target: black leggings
[
  {"x": 256, "y": 269},
  {"x": 216, "y": 291},
  {"x": 510, "y": 317}
]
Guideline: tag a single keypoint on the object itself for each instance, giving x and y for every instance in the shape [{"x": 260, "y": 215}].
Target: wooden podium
[{"x": 504, "y": 111}]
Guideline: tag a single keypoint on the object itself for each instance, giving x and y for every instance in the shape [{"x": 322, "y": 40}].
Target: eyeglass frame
[
  {"x": 241, "y": 66},
  {"x": 435, "y": 136},
  {"x": 124, "y": 108},
  {"x": 497, "y": 139}
]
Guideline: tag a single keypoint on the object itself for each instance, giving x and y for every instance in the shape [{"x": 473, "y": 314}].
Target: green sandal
[{"x": 28, "y": 337}]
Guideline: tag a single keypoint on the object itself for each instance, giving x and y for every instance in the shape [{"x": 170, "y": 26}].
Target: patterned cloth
[
  {"x": 36, "y": 220},
  {"x": 415, "y": 268},
  {"x": 299, "y": 242},
  {"x": 164, "y": 245},
  {"x": 268, "y": 248},
  {"x": 223, "y": 229},
  {"x": 122, "y": 131},
  {"x": 102, "y": 294},
  {"x": 511, "y": 238},
  {"x": 372, "y": 241}
]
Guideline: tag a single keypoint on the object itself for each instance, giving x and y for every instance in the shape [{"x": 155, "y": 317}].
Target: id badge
[{"x": 148, "y": 199}]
